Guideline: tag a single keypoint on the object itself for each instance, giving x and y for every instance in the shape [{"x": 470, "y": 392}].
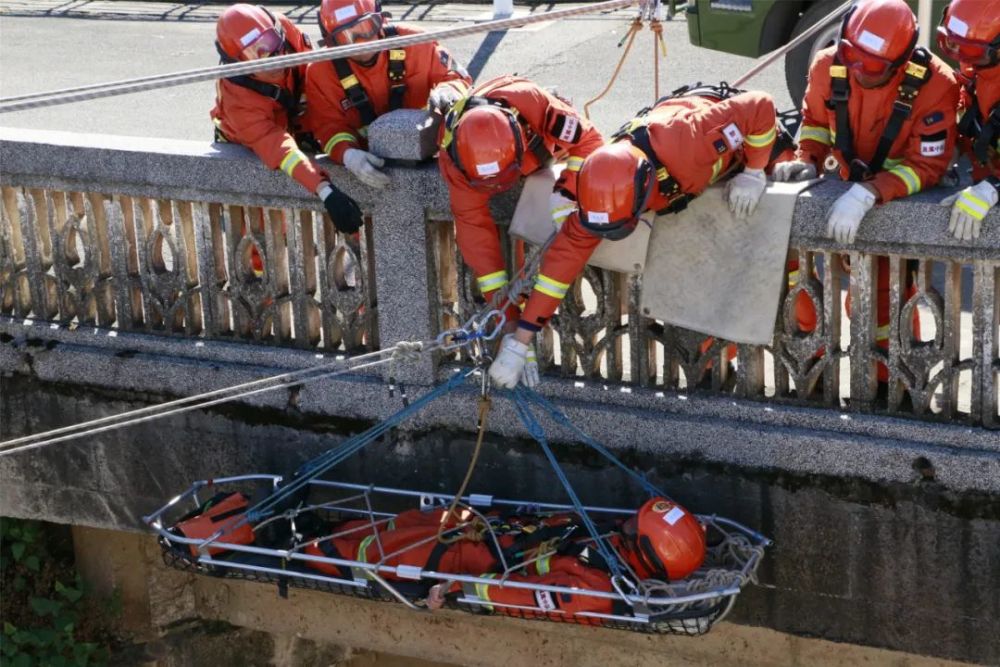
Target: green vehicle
[{"x": 755, "y": 27}]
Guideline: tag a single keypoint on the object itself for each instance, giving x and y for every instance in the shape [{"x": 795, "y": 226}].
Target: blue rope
[
  {"x": 538, "y": 433},
  {"x": 315, "y": 467},
  {"x": 560, "y": 418}
]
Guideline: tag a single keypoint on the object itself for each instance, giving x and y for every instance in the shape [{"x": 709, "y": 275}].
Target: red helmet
[
  {"x": 669, "y": 541},
  {"x": 876, "y": 37},
  {"x": 344, "y": 22},
  {"x": 970, "y": 32},
  {"x": 613, "y": 190},
  {"x": 487, "y": 145},
  {"x": 247, "y": 32}
]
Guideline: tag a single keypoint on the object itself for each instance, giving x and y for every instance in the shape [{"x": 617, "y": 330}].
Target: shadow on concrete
[{"x": 485, "y": 50}]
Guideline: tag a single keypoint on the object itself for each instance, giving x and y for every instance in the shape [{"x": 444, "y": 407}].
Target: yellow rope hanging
[{"x": 633, "y": 30}]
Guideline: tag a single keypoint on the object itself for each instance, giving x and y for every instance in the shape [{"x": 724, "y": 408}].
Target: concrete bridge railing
[{"x": 107, "y": 240}]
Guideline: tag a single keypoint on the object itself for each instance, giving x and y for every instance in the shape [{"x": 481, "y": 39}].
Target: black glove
[{"x": 342, "y": 209}]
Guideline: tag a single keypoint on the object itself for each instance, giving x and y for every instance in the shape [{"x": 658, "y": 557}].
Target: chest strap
[
  {"x": 356, "y": 95},
  {"x": 637, "y": 132},
  {"x": 917, "y": 73}
]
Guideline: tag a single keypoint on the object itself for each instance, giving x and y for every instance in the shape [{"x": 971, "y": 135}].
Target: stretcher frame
[{"x": 688, "y": 607}]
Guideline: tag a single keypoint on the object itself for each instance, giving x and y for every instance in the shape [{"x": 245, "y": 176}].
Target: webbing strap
[
  {"x": 638, "y": 133},
  {"x": 560, "y": 418},
  {"x": 397, "y": 72},
  {"x": 313, "y": 468},
  {"x": 521, "y": 404},
  {"x": 287, "y": 99},
  {"x": 917, "y": 72},
  {"x": 355, "y": 92}
]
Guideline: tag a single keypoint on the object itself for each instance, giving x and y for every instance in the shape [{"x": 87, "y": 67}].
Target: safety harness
[
  {"x": 357, "y": 98},
  {"x": 985, "y": 133},
  {"x": 536, "y": 144},
  {"x": 917, "y": 73}
]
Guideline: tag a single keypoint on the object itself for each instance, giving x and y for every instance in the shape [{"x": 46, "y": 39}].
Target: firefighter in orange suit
[
  {"x": 346, "y": 95},
  {"x": 659, "y": 161},
  {"x": 662, "y": 541},
  {"x": 508, "y": 128},
  {"x": 970, "y": 34},
  {"x": 882, "y": 112},
  {"x": 264, "y": 111}
]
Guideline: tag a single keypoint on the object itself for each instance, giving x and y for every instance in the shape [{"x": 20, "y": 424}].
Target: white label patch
[
  {"x": 569, "y": 129},
  {"x": 248, "y": 39},
  {"x": 544, "y": 601},
  {"x": 958, "y": 26},
  {"x": 872, "y": 42},
  {"x": 488, "y": 169},
  {"x": 597, "y": 218},
  {"x": 733, "y": 136},
  {"x": 674, "y": 515},
  {"x": 345, "y": 13},
  {"x": 931, "y": 148}
]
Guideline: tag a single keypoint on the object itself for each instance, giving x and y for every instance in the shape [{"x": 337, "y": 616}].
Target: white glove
[
  {"x": 744, "y": 191},
  {"x": 969, "y": 207},
  {"x": 363, "y": 165},
  {"x": 793, "y": 170},
  {"x": 529, "y": 376},
  {"x": 847, "y": 212},
  {"x": 560, "y": 207},
  {"x": 442, "y": 97},
  {"x": 509, "y": 365}
]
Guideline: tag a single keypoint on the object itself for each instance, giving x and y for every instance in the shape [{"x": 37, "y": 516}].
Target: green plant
[{"x": 48, "y": 618}]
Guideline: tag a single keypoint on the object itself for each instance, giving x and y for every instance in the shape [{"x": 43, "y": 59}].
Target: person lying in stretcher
[{"x": 661, "y": 541}]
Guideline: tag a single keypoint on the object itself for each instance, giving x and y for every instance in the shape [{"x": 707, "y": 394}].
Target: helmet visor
[
  {"x": 966, "y": 51},
  {"x": 259, "y": 44},
  {"x": 859, "y": 60},
  {"x": 362, "y": 29}
]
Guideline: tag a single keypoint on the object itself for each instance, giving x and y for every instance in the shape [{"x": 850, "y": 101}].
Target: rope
[
  {"x": 560, "y": 418},
  {"x": 538, "y": 433},
  {"x": 313, "y": 468},
  {"x": 632, "y": 32},
  {"x": 97, "y": 91},
  {"x": 484, "y": 409}
]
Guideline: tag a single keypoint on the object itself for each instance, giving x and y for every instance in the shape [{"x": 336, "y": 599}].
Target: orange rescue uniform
[
  {"x": 410, "y": 539},
  {"x": 919, "y": 156},
  {"x": 337, "y": 125},
  {"x": 921, "y": 152},
  {"x": 263, "y": 125},
  {"x": 540, "y": 113},
  {"x": 694, "y": 139}
]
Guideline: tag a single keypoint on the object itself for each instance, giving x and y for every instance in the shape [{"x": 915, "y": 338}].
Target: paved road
[{"x": 121, "y": 40}]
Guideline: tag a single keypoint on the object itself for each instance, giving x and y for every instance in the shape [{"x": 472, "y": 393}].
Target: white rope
[{"x": 100, "y": 90}]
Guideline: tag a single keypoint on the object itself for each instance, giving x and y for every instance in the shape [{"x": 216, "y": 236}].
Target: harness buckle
[{"x": 859, "y": 171}]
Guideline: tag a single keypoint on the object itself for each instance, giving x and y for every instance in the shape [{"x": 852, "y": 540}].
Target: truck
[{"x": 755, "y": 27}]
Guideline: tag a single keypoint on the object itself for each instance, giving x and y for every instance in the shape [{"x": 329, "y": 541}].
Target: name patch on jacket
[
  {"x": 733, "y": 136},
  {"x": 932, "y": 144},
  {"x": 545, "y": 601},
  {"x": 566, "y": 128}
]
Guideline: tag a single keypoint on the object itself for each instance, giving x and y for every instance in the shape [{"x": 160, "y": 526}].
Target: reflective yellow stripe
[
  {"x": 363, "y": 548},
  {"x": 793, "y": 278},
  {"x": 882, "y": 333},
  {"x": 349, "y": 80},
  {"x": 550, "y": 286},
  {"x": 363, "y": 130},
  {"x": 716, "y": 168},
  {"x": 973, "y": 205},
  {"x": 492, "y": 281},
  {"x": 291, "y": 161},
  {"x": 560, "y": 213},
  {"x": 574, "y": 163},
  {"x": 336, "y": 139},
  {"x": 760, "y": 140},
  {"x": 483, "y": 590},
  {"x": 838, "y": 71},
  {"x": 544, "y": 564},
  {"x": 818, "y": 134},
  {"x": 908, "y": 176}
]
